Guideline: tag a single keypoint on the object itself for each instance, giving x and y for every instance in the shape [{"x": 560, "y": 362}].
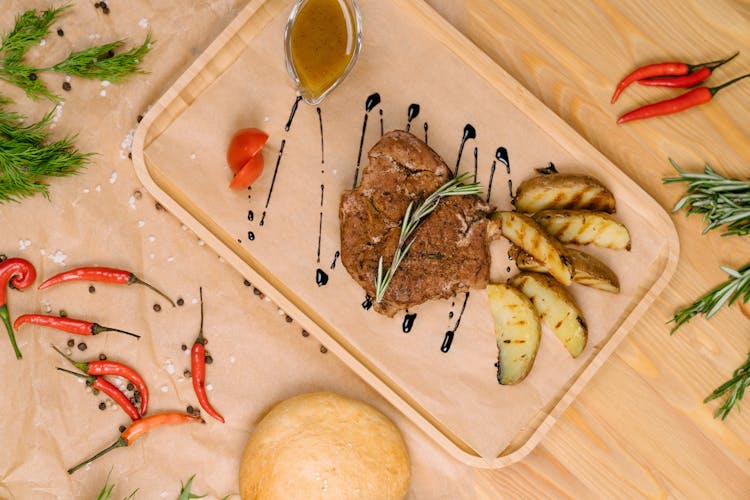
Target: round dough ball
[{"x": 323, "y": 445}]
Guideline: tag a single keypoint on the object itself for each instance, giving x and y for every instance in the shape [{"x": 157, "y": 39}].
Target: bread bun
[{"x": 323, "y": 445}]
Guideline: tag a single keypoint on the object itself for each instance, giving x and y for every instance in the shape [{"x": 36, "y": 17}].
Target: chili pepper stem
[
  {"x": 714, "y": 90},
  {"x": 6, "y": 319},
  {"x": 201, "y": 339},
  {"x": 81, "y": 366},
  {"x": 96, "y": 329},
  {"x": 712, "y": 65},
  {"x": 117, "y": 444},
  {"x": 135, "y": 280},
  {"x": 89, "y": 378}
]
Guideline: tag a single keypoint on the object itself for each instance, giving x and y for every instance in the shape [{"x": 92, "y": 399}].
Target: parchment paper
[
  {"x": 404, "y": 61},
  {"x": 49, "y": 422}
]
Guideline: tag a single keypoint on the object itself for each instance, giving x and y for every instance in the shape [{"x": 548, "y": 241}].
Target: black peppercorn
[
  {"x": 60, "y": 32},
  {"x": 122, "y": 429},
  {"x": 323, "y": 349},
  {"x": 183, "y": 347},
  {"x": 92, "y": 289},
  {"x": 131, "y": 387},
  {"x": 186, "y": 373},
  {"x": 157, "y": 307},
  {"x": 190, "y": 410},
  {"x": 3, "y": 257},
  {"x": 82, "y": 346},
  {"x": 32, "y": 77},
  {"x": 209, "y": 359},
  {"x": 180, "y": 302},
  {"x": 66, "y": 86},
  {"x": 305, "y": 333},
  {"x": 71, "y": 343},
  {"x": 256, "y": 291},
  {"x": 288, "y": 319},
  {"x": 102, "y": 357},
  {"x": 246, "y": 283},
  {"x": 140, "y": 117},
  {"x": 102, "y": 406}
]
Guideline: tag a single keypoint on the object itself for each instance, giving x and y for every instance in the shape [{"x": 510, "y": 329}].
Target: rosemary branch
[
  {"x": 727, "y": 293},
  {"x": 98, "y": 62},
  {"x": 735, "y": 387},
  {"x": 411, "y": 221},
  {"x": 720, "y": 200}
]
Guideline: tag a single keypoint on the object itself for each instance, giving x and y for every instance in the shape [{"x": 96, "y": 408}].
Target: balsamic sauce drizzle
[
  {"x": 322, "y": 149},
  {"x": 501, "y": 155},
  {"x": 469, "y": 133},
  {"x": 408, "y": 323},
  {"x": 412, "y": 113},
  {"x": 367, "y": 304},
  {"x": 273, "y": 181},
  {"x": 292, "y": 113},
  {"x": 448, "y": 339},
  {"x": 476, "y": 162},
  {"x": 382, "y": 132},
  {"x": 425, "y": 132},
  {"x": 320, "y": 223},
  {"x": 372, "y": 101},
  {"x": 335, "y": 257},
  {"x": 321, "y": 278}
]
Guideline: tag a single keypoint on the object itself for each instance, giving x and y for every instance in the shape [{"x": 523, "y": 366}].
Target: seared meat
[{"x": 450, "y": 253}]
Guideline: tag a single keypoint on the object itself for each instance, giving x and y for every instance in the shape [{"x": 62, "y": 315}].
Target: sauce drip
[{"x": 322, "y": 43}]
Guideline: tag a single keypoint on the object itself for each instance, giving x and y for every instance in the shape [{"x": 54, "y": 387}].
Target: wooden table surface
[{"x": 639, "y": 428}]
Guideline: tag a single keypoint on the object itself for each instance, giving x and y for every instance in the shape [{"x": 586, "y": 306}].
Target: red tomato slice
[
  {"x": 245, "y": 144},
  {"x": 248, "y": 173}
]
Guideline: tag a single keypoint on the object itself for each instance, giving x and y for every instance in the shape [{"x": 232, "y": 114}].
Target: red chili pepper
[
  {"x": 678, "y": 82},
  {"x": 20, "y": 274},
  {"x": 101, "y": 275},
  {"x": 198, "y": 370},
  {"x": 109, "y": 367},
  {"x": 70, "y": 325},
  {"x": 110, "y": 390},
  {"x": 695, "y": 97},
  {"x": 137, "y": 429},
  {"x": 665, "y": 69}
]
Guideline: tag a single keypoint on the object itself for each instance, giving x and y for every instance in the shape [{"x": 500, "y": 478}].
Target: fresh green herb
[
  {"x": 412, "y": 219},
  {"x": 737, "y": 384},
  {"x": 27, "y": 157},
  {"x": 185, "y": 493},
  {"x": 720, "y": 200},
  {"x": 107, "y": 489},
  {"x": 98, "y": 62},
  {"x": 738, "y": 285}
]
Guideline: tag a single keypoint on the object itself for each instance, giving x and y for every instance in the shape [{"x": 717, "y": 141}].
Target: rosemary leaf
[
  {"x": 411, "y": 221},
  {"x": 738, "y": 285},
  {"x": 721, "y": 201},
  {"x": 734, "y": 386}
]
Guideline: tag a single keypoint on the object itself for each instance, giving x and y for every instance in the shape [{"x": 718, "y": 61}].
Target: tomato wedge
[
  {"x": 248, "y": 173},
  {"x": 245, "y": 144}
]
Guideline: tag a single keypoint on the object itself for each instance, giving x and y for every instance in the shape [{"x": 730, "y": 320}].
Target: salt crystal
[
  {"x": 58, "y": 257},
  {"x": 280, "y": 312},
  {"x": 184, "y": 227},
  {"x": 105, "y": 83},
  {"x": 334, "y": 171},
  {"x": 209, "y": 387},
  {"x": 126, "y": 146},
  {"x": 98, "y": 188},
  {"x": 181, "y": 379},
  {"x": 86, "y": 190},
  {"x": 163, "y": 494},
  {"x": 58, "y": 113},
  {"x": 164, "y": 388},
  {"x": 143, "y": 23},
  {"x": 201, "y": 243},
  {"x": 192, "y": 156},
  {"x": 131, "y": 202},
  {"x": 265, "y": 119},
  {"x": 170, "y": 259},
  {"x": 151, "y": 238},
  {"x": 170, "y": 367},
  {"x": 113, "y": 177},
  {"x": 194, "y": 301},
  {"x": 46, "y": 306},
  {"x": 42, "y": 42},
  {"x": 67, "y": 78},
  {"x": 151, "y": 256},
  {"x": 141, "y": 223},
  {"x": 103, "y": 93},
  {"x": 24, "y": 244},
  {"x": 231, "y": 359}
]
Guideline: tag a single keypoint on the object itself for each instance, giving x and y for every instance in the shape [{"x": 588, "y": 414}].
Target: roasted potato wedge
[
  {"x": 583, "y": 227},
  {"x": 563, "y": 191},
  {"x": 556, "y": 308},
  {"x": 587, "y": 269},
  {"x": 517, "y": 332},
  {"x": 524, "y": 232}
]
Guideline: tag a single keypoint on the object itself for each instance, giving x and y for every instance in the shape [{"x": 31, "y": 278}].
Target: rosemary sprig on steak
[{"x": 412, "y": 219}]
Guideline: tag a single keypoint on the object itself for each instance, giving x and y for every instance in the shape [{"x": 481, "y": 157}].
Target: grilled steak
[{"x": 450, "y": 253}]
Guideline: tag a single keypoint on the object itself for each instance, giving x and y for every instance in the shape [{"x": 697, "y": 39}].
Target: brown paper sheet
[
  {"x": 48, "y": 420},
  {"x": 404, "y": 61}
]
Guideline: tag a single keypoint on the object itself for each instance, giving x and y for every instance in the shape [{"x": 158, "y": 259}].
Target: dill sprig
[
  {"x": 98, "y": 62},
  {"x": 720, "y": 200},
  {"x": 738, "y": 285},
  {"x": 412, "y": 219},
  {"x": 735, "y": 387},
  {"x": 27, "y": 157}
]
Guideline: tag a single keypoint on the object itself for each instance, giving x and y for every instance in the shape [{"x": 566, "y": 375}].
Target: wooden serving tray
[{"x": 283, "y": 234}]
